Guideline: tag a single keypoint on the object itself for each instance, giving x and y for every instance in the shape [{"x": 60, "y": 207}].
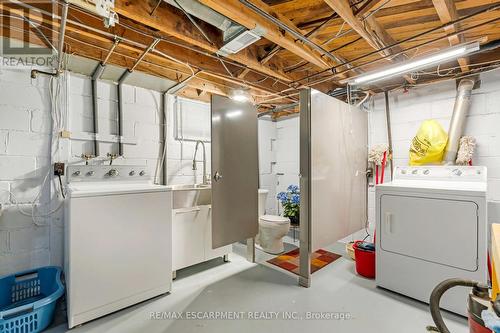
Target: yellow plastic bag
[{"x": 427, "y": 147}]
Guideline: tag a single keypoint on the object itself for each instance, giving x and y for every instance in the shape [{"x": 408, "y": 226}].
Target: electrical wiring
[{"x": 57, "y": 124}]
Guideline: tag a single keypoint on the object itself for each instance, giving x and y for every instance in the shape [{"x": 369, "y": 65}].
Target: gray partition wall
[{"x": 333, "y": 163}]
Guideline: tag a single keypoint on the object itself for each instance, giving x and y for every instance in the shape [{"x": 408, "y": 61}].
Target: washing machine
[
  {"x": 431, "y": 225},
  {"x": 118, "y": 240}
]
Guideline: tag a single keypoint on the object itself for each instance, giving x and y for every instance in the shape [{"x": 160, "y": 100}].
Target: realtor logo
[{"x": 28, "y": 30}]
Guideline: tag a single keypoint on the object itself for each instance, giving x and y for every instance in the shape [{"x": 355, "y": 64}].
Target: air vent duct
[{"x": 239, "y": 42}]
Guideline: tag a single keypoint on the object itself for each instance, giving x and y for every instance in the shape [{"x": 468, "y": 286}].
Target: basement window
[{"x": 192, "y": 120}]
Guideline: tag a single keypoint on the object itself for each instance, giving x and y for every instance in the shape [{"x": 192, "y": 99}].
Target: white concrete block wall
[
  {"x": 267, "y": 162},
  {"x": 180, "y": 153},
  {"x": 287, "y": 152},
  {"x": 436, "y": 101},
  {"x": 24, "y": 151},
  {"x": 25, "y": 125},
  {"x": 278, "y": 144}
]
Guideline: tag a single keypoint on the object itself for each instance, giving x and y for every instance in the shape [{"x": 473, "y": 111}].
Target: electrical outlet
[{"x": 59, "y": 169}]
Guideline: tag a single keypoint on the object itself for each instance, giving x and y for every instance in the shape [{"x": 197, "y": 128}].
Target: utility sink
[{"x": 186, "y": 196}]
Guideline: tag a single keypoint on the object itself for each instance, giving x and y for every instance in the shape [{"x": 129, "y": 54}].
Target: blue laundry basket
[{"x": 28, "y": 299}]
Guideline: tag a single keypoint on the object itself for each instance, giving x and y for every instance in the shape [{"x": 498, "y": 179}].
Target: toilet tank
[{"x": 262, "y": 201}]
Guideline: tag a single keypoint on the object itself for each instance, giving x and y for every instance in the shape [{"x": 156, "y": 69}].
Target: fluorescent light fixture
[
  {"x": 240, "y": 95},
  {"x": 413, "y": 65}
]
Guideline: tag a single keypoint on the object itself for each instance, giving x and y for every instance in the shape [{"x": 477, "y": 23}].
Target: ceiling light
[
  {"x": 240, "y": 95},
  {"x": 413, "y": 65}
]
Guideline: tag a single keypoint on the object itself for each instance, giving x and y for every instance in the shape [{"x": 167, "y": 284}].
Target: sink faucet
[{"x": 205, "y": 180}]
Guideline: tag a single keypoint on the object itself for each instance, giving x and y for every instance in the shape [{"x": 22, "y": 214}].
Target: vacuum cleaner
[{"x": 482, "y": 311}]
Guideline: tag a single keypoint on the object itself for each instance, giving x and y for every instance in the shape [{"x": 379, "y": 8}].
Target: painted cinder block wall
[
  {"x": 435, "y": 101},
  {"x": 25, "y": 155},
  {"x": 278, "y": 157}
]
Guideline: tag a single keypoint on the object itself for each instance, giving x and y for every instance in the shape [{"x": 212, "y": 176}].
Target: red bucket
[{"x": 365, "y": 261}]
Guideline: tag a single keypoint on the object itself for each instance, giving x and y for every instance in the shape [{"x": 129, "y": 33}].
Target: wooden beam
[
  {"x": 169, "y": 20},
  {"x": 447, "y": 11},
  {"x": 366, "y": 7},
  {"x": 371, "y": 31},
  {"x": 92, "y": 45},
  {"x": 239, "y": 13}
]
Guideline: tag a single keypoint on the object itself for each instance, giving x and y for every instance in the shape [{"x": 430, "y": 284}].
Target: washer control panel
[
  {"x": 448, "y": 172},
  {"x": 89, "y": 173}
]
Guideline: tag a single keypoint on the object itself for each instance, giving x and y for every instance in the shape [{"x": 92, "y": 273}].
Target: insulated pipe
[
  {"x": 95, "y": 76},
  {"x": 457, "y": 124},
  {"x": 120, "y": 110}
]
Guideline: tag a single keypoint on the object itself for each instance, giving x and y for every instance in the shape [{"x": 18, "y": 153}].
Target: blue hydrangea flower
[
  {"x": 296, "y": 199},
  {"x": 282, "y": 196},
  {"x": 293, "y": 188}
]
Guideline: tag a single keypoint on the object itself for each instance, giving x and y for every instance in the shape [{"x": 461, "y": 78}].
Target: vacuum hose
[{"x": 436, "y": 295}]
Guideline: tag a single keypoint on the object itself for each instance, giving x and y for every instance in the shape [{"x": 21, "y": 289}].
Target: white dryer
[
  {"x": 431, "y": 226},
  {"x": 118, "y": 240}
]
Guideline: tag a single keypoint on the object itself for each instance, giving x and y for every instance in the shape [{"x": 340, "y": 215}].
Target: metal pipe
[
  {"x": 182, "y": 84},
  {"x": 389, "y": 131},
  {"x": 457, "y": 124},
  {"x": 120, "y": 110},
  {"x": 291, "y": 31},
  {"x": 311, "y": 33},
  {"x": 443, "y": 26},
  {"x": 62, "y": 32},
  {"x": 146, "y": 51},
  {"x": 95, "y": 114},
  {"x": 111, "y": 50},
  {"x": 172, "y": 42},
  {"x": 158, "y": 2},
  {"x": 329, "y": 77}
]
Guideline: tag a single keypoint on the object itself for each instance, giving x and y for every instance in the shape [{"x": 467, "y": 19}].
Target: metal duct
[
  {"x": 460, "y": 110},
  {"x": 208, "y": 15}
]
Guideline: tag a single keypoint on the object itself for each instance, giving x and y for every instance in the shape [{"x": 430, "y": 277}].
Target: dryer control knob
[
  {"x": 457, "y": 172},
  {"x": 427, "y": 171},
  {"x": 142, "y": 173},
  {"x": 131, "y": 173},
  {"x": 77, "y": 173},
  {"x": 414, "y": 172},
  {"x": 90, "y": 173},
  {"x": 113, "y": 173}
]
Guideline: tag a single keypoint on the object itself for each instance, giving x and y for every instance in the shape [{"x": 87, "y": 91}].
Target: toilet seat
[{"x": 274, "y": 219}]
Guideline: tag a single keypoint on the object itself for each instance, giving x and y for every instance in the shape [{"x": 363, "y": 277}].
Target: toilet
[{"x": 272, "y": 228}]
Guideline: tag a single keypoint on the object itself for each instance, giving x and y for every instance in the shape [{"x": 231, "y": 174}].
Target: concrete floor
[{"x": 242, "y": 286}]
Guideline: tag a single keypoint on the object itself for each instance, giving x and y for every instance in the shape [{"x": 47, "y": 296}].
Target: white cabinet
[{"x": 192, "y": 237}]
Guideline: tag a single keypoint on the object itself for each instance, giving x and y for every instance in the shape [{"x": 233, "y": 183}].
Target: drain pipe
[
  {"x": 122, "y": 79},
  {"x": 389, "y": 131},
  {"x": 95, "y": 77},
  {"x": 460, "y": 110}
]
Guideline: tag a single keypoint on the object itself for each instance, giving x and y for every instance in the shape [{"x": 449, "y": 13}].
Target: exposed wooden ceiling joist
[
  {"x": 90, "y": 44},
  {"x": 447, "y": 12},
  {"x": 371, "y": 31},
  {"x": 169, "y": 21},
  {"x": 239, "y": 13}
]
